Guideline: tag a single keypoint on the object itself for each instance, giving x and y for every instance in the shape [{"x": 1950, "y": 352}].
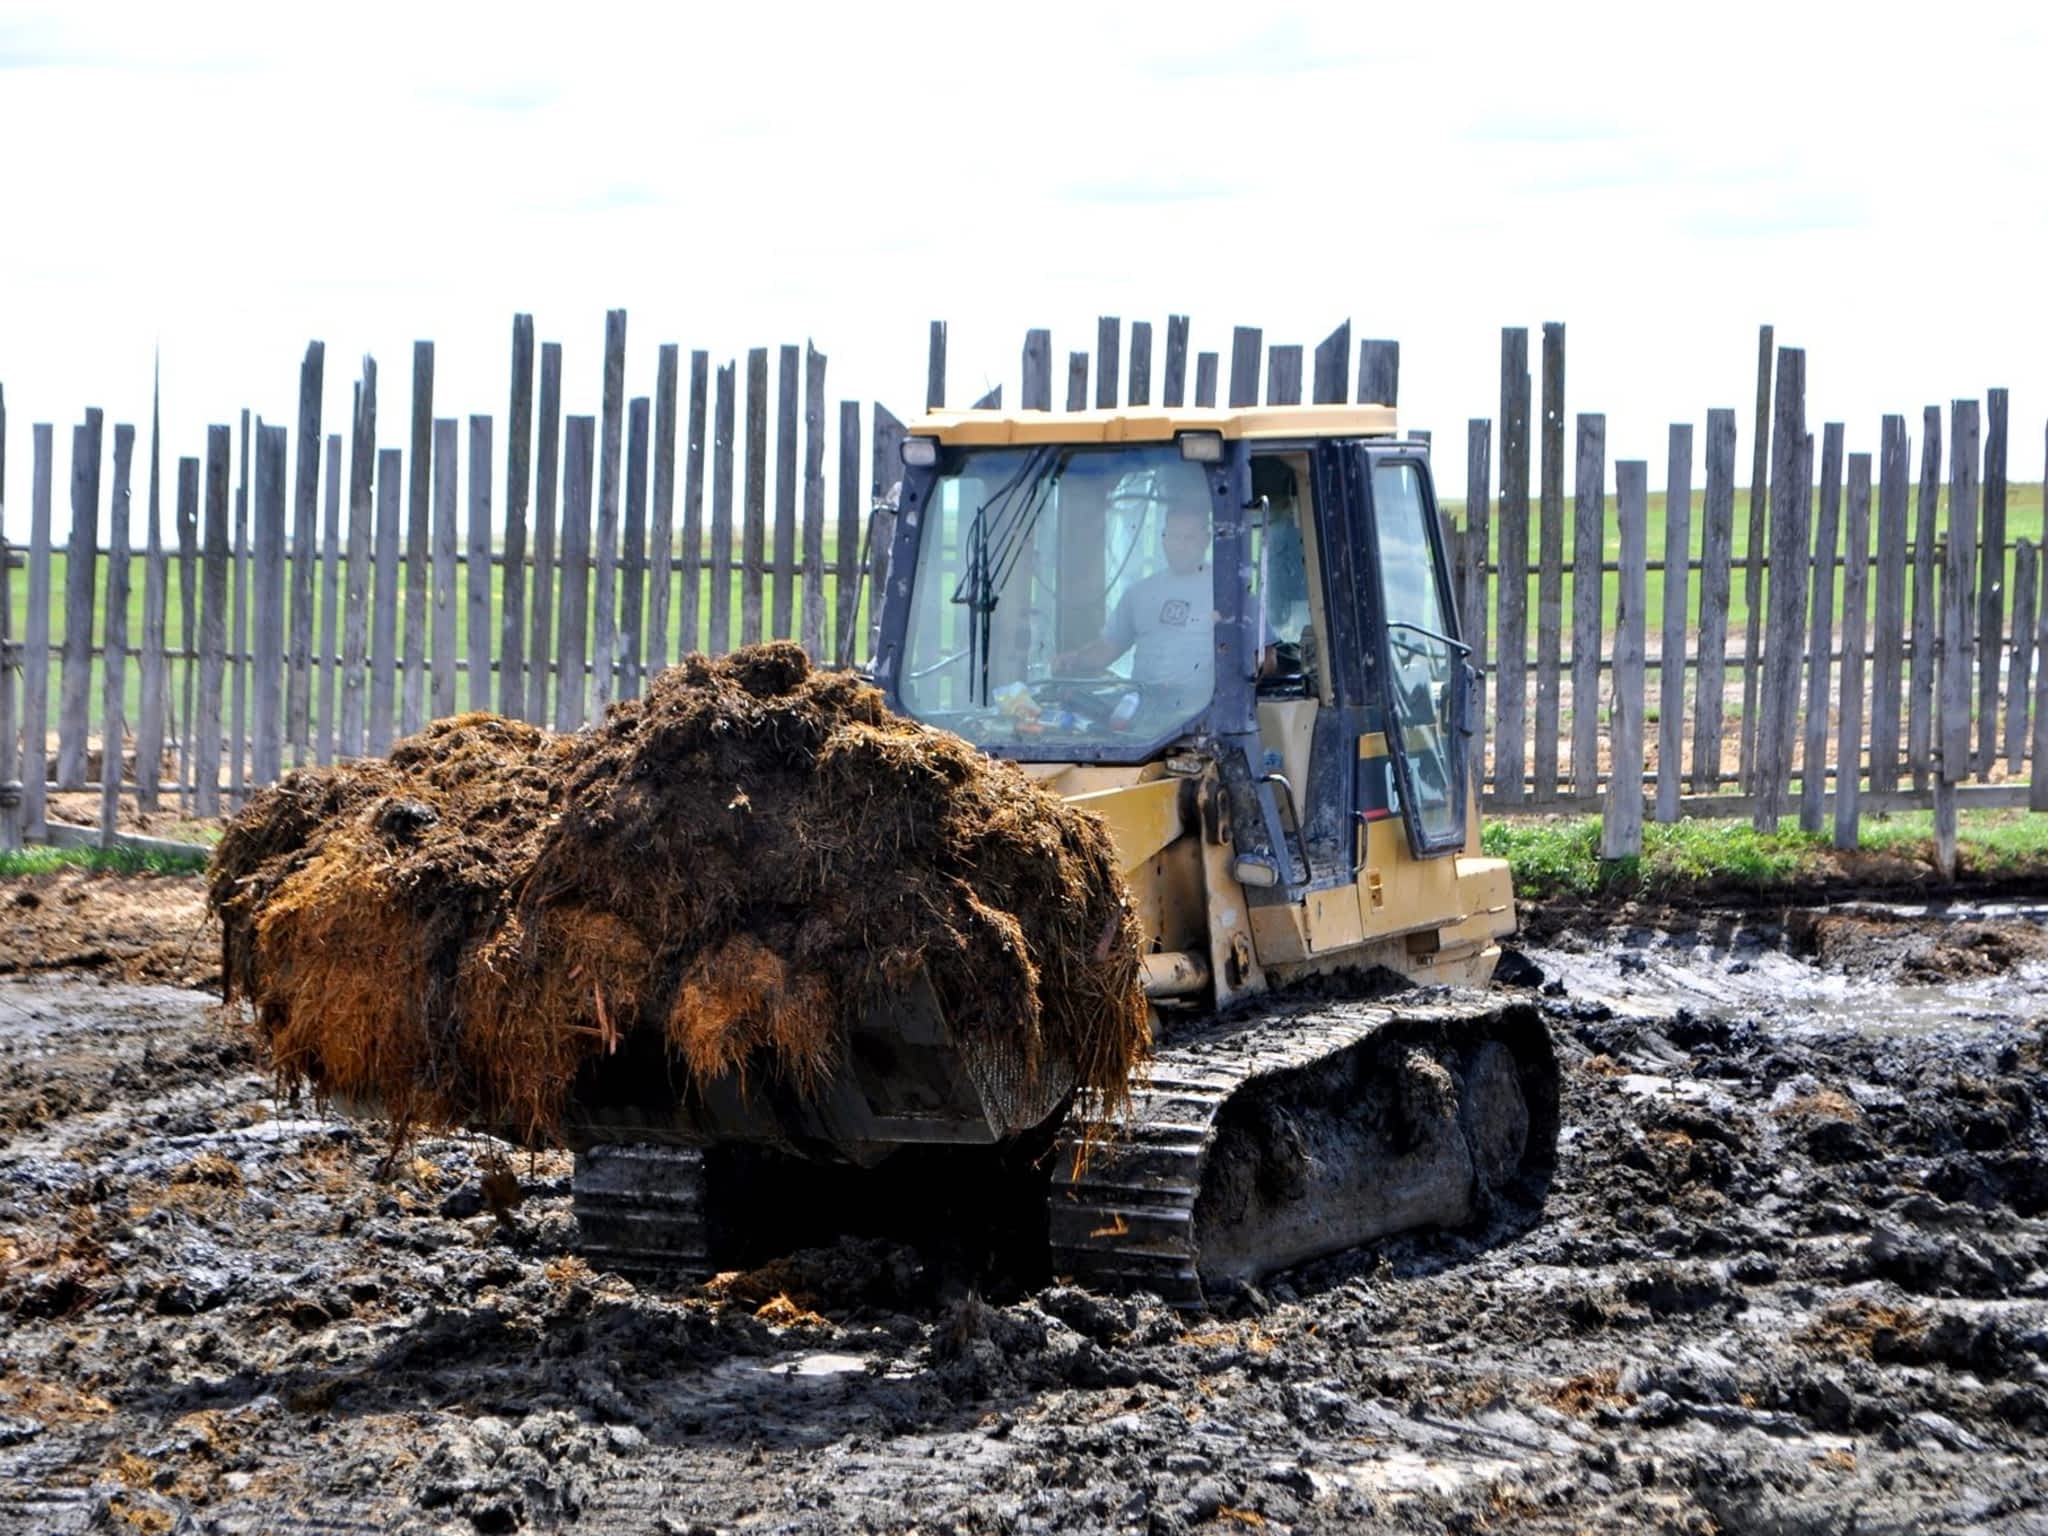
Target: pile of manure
[{"x": 738, "y": 861}]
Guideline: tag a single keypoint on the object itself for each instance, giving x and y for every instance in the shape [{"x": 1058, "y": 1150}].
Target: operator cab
[{"x": 1266, "y": 590}]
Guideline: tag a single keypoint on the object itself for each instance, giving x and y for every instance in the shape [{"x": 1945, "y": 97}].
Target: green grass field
[
  {"x": 118, "y": 860},
  {"x": 1561, "y": 855},
  {"x": 2024, "y": 520}
]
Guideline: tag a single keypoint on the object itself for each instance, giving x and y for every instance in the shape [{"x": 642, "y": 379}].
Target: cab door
[{"x": 1425, "y": 682}]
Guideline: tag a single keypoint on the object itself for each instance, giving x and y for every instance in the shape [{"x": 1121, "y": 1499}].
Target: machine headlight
[
  {"x": 920, "y": 452},
  {"x": 1201, "y": 447}
]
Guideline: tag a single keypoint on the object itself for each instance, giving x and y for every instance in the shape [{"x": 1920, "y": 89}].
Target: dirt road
[{"x": 1793, "y": 1276}]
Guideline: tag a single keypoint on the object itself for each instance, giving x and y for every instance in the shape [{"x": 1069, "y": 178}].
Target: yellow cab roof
[{"x": 1149, "y": 424}]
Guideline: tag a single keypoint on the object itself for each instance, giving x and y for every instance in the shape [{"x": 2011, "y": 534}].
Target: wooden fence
[{"x": 1878, "y": 663}]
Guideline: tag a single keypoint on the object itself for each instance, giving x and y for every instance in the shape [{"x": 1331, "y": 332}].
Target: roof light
[
  {"x": 1201, "y": 447},
  {"x": 920, "y": 452}
]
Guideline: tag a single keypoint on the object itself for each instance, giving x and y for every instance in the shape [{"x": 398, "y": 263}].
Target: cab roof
[{"x": 1145, "y": 424}]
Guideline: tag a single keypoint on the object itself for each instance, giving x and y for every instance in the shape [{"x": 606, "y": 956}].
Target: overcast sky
[{"x": 226, "y": 182}]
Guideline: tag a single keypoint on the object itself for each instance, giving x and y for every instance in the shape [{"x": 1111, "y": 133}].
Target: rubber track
[
  {"x": 641, "y": 1209},
  {"x": 1122, "y": 1214}
]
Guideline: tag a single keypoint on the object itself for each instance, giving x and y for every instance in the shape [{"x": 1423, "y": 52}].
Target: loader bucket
[{"x": 905, "y": 1077}]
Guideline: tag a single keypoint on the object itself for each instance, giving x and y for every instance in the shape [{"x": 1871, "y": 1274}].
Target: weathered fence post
[
  {"x": 1788, "y": 516},
  {"x": 1512, "y": 671},
  {"x": 1138, "y": 390},
  {"x": 384, "y": 602},
  {"x": 692, "y": 560},
  {"x": 2025, "y": 596},
  {"x": 149, "y": 730},
  {"x": 1749, "y": 725},
  {"x": 1957, "y": 640},
  {"x": 1036, "y": 391},
  {"x": 814, "y": 503},
  {"x": 1247, "y": 343},
  {"x": 1550, "y": 564},
  {"x": 238, "y": 646},
  {"x": 1283, "y": 375},
  {"x": 81, "y": 572},
  {"x": 10, "y": 779},
  {"x": 2022, "y": 674},
  {"x": 848, "y": 564},
  {"x": 35, "y": 677},
  {"x": 1920, "y": 734},
  {"x": 1813, "y": 782},
  {"x": 1855, "y": 584},
  {"x": 885, "y": 470},
  {"x": 2037, "y": 785},
  {"x": 603, "y": 650},
  {"x": 633, "y": 559},
  {"x": 1478, "y": 528},
  {"x": 1671, "y": 657},
  {"x": 330, "y": 602},
  {"x": 1379, "y": 372},
  {"x": 446, "y": 488},
  {"x": 1331, "y": 384},
  {"x": 547, "y": 481},
  {"x": 719, "y": 640},
  {"x": 1716, "y": 543},
  {"x": 518, "y": 484},
  {"x": 114, "y": 647},
  {"x": 1991, "y": 584},
  {"x": 661, "y": 560},
  {"x": 355, "y": 645},
  {"x": 419, "y": 537},
  {"x": 571, "y": 691},
  {"x": 212, "y": 626},
  {"x": 935, "y": 369},
  {"x": 1589, "y": 554},
  {"x": 1077, "y": 381},
  {"x": 753, "y": 539},
  {"x": 305, "y": 551},
  {"x": 1173, "y": 383},
  {"x": 1888, "y": 624},
  {"x": 1108, "y": 360},
  {"x": 266, "y": 756},
  {"x": 10, "y": 773},
  {"x": 477, "y": 568},
  {"x": 1205, "y": 379},
  {"x": 787, "y": 386},
  {"x": 1621, "y": 827}
]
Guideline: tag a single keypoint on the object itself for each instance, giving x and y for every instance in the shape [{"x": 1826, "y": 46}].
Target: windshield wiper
[{"x": 996, "y": 537}]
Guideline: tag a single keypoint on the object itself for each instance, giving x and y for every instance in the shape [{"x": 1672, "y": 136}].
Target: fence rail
[{"x": 1892, "y": 630}]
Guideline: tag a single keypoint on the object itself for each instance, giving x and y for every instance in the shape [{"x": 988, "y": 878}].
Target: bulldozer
[{"x": 1230, "y": 634}]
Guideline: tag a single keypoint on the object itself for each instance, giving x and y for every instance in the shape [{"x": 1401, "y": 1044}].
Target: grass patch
[
  {"x": 112, "y": 861},
  {"x": 2002, "y": 841},
  {"x": 1561, "y": 856}
]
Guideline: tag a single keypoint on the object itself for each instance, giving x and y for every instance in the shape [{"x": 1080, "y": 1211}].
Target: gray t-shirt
[{"x": 1170, "y": 620}]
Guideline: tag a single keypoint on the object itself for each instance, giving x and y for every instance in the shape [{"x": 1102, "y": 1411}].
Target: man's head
[{"x": 1185, "y": 537}]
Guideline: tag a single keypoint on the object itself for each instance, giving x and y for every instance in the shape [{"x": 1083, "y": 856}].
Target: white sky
[{"x": 229, "y": 181}]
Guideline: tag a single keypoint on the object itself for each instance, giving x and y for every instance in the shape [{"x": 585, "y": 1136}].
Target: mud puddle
[
  {"x": 1873, "y": 967},
  {"x": 1792, "y": 1277}
]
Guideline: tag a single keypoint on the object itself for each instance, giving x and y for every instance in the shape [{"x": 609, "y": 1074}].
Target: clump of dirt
[
  {"x": 740, "y": 862},
  {"x": 140, "y": 927},
  {"x": 1869, "y": 945}
]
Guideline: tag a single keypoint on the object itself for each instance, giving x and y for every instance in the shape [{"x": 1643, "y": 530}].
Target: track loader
[{"x": 1229, "y": 633}]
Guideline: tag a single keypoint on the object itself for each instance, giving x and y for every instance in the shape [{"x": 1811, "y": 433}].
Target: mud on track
[{"x": 1793, "y": 1277}]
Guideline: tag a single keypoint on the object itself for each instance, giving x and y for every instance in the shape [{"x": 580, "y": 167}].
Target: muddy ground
[{"x": 1792, "y": 1276}]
